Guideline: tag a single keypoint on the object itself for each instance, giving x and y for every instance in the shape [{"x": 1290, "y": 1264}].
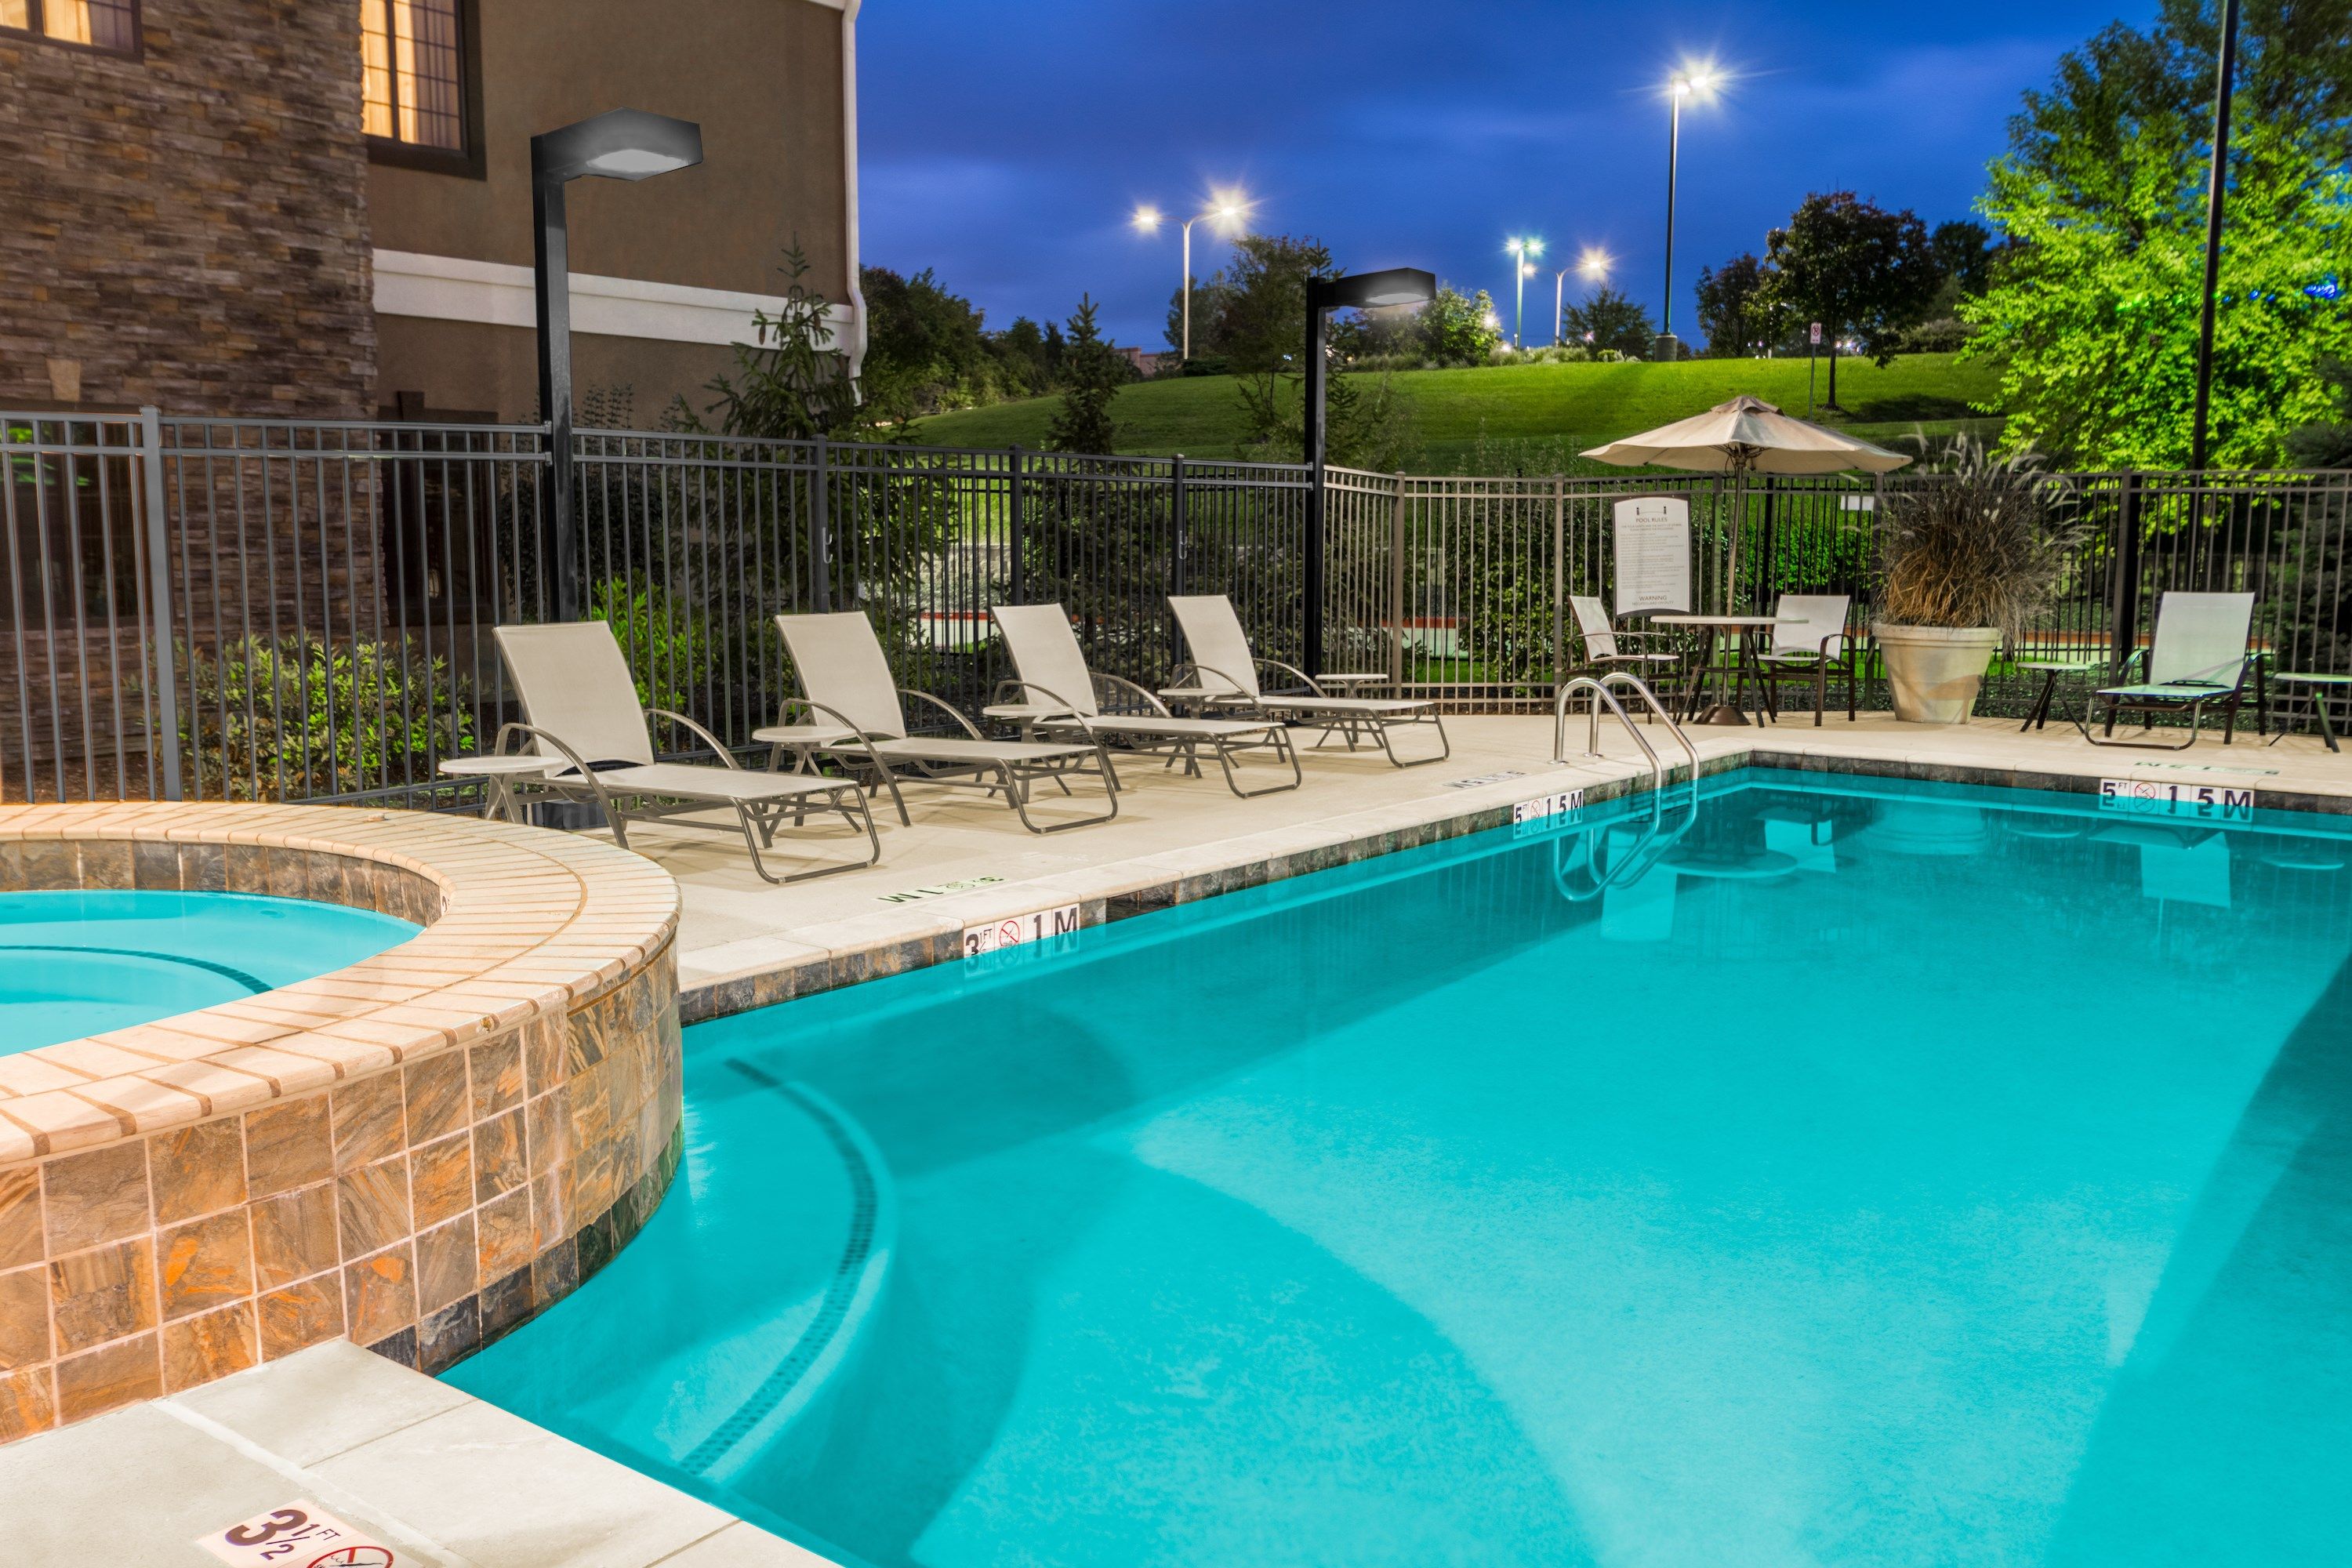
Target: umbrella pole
[{"x": 1729, "y": 713}]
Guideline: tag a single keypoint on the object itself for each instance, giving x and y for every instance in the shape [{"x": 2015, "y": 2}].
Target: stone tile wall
[{"x": 421, "y": 1208}]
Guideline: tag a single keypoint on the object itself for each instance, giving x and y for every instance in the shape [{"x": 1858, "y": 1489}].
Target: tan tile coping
[{"x": 415, "y": 1152}]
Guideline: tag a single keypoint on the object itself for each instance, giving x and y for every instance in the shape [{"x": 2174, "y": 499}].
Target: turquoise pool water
[
  {"x": 1887, "y": 1174},
  {"x": 76, "y": 963}
]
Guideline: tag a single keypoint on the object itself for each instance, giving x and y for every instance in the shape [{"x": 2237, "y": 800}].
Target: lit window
[
  {"x": 108, "y": 24},
  {"x": 414, "y": 82}
]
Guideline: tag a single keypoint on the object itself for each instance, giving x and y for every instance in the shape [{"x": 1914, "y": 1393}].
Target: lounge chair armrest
[
  {"x": 708, "y": 739},
  {"x": 1120, "y": 683},
  {"x": 946, "y": 707},
  {"x": 1176, "y": 680},
  {"x": 838, "y": 717},
  {"x": 1068, "y": 709},
  {"x": 1293, "y": 672},
  {"x": 578, "y": 763}
]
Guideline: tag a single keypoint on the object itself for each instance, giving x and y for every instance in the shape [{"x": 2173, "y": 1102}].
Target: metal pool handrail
[{"x": 1599, "y": 686}]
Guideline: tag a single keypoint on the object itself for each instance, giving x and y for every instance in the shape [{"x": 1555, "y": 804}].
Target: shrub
[{"x": 301, "y": 718}]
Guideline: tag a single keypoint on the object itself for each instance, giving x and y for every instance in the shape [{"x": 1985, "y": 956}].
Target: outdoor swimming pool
[
  {"x": 78, "y": 962},
  {"x": 1863, "y": 1173}
]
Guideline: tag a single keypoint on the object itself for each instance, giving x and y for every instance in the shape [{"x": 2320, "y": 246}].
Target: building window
[
  {"x": 108, "y": 24},
  {"x": 413, "y": 54}
]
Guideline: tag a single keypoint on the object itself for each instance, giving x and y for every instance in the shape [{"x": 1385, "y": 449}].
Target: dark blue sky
[{"x": 1006, "y": 142}]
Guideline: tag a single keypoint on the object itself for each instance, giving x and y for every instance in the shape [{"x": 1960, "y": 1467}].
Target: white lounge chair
[
  {"x": 1057, "y": 690},
  {"x": 1810, "y": 643},
  {"x": 1223, "y": 675},
  {"x": 2199, "y": 656},
  {"x": 581, "y": 711},
  {"x": 845, "y": 677}
]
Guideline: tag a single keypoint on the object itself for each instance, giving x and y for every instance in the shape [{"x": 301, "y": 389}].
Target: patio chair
[
  {"x": 581, "y": 710},
  {"x": 1057, "y": 690},
  {"x": 845, "y": 677},
  {"x": 1606, "y": 648},
  {"x": 2199, "y": 656},
  {"x": 1224, "y": 675},
  {"x": 1810, "y": 643}
]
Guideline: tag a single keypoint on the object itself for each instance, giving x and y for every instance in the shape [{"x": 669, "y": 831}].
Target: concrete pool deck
[
  {"x": 966, "y": 861},
  {"x": 435, "y": 1475}
]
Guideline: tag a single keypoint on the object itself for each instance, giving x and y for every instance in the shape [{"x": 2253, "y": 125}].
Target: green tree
[
  {"x": 1093, "y": 372},
  {"x": 1860, "y": 270},
  {"x": 2326, "y": 442},
  {"x": 1455, "y": 330},
  {"x": 792, "y": 383},
  {"x": 929, "y": 346},
  {"x": 1731, "y": 307},
  {"x": 1609, "y": 322},
  {"x": 2092, "y": 318},
  {"x": 1964, "y": 253}
]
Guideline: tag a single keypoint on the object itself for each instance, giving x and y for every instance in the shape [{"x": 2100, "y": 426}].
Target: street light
[
  {"x": 1594, "y": 265},
  {"x": 1523, "y": 250},
  {"x": 1691, "y": 81},
  {"x": 1225, "y": 207},
  {"x": 1365, "y": 291},
  {"x": 620, "y": 144}
]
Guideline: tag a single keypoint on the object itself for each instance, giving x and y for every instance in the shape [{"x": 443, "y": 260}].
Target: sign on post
[
  {"x": 1654, "y": 554},
  {"x": 1816, "y": 335}
]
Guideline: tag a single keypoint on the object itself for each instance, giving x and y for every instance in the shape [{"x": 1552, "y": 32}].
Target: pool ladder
[
  {"x": 1599, "y": 686},
  {"x": 1653, "y": 840}
]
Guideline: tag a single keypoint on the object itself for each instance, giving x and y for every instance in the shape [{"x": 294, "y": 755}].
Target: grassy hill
[{"x": 1538, "y": 414}]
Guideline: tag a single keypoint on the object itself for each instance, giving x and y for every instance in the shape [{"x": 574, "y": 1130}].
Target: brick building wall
[{"x": 189, "y": 227}]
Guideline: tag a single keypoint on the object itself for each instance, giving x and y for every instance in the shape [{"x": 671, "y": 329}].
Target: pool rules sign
[{"x": 300, "y": 1535}]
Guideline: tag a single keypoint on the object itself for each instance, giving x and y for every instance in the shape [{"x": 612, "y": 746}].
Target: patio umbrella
[{"x": 1748, "y": 435}]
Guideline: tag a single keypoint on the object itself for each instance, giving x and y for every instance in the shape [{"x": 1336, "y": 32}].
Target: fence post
[
  {"x": 1020, "y": 575},
  {"x": 159, "y": 598},
  {"x": 1178, "y": 544},
  {"x": 820, "y": 535},
  {"x": 1558, "y": 574},
  {"x": 1396, "y": 588},
  {"x": 2123, "y": 620}
]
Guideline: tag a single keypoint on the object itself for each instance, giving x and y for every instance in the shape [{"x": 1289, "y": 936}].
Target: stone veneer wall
[
  {"x": 188, "y": 226},
  {"x": 421, "y": 1210}
]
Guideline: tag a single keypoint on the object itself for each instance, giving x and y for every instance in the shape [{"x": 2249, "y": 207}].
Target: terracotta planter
[{"x": 1934, "y": 673}]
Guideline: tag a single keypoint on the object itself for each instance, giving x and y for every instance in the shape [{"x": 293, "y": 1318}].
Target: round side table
[
  {"x": 499, "y": 771},
  {"x": 2323, "y": 690}
]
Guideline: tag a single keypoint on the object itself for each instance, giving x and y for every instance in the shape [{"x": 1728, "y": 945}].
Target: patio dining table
[{"x": 1725, "y": 636}]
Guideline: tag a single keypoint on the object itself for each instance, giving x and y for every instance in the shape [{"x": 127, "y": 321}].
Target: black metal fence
[{"x": 250, "y": 609}]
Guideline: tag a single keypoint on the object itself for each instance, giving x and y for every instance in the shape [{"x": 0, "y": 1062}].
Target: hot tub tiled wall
[{"x": 417, "y": 1153}]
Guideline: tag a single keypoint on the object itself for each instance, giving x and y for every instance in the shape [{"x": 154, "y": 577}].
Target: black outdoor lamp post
[
  {"x": 620, "y": 144},
  {"x": 1368, "y": 290}
]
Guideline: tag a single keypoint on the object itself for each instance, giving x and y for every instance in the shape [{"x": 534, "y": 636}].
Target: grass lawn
[{"x": 1537, "y": 414}]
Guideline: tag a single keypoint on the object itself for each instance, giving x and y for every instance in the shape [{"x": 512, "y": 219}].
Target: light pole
[
  {"x": 1523, "y": 252},
  {"x": 619, "y": 144},
  {"x": 1368, "y": 290},
  {"x": 1700, "y": 81},
  {"x": 1593, "y": 266},
  {"x": 2225, "y": 73},
  {"x": 1227, "y": 208}
]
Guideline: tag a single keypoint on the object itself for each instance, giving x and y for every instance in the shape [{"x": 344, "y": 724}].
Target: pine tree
[{"x": 1092, "y": 373}]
